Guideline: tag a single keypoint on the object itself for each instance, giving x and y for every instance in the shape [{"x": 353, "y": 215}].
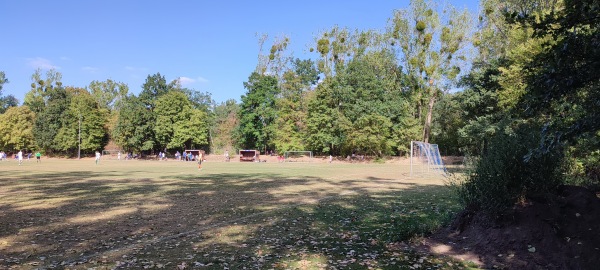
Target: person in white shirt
[
  {"x": 97, "y": 157},
  {"x": 20, "y": 157}
]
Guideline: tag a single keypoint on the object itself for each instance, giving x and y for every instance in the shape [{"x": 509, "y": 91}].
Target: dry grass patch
[{"x": 152, "y": 214}]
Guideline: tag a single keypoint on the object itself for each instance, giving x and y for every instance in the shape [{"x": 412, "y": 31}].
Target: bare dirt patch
[{"x": 559, "y": 232}]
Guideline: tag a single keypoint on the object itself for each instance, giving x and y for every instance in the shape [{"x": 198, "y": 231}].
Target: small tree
[{"x": 17, "y": 128}]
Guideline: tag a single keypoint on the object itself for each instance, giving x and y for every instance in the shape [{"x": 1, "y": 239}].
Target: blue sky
[{"x": 211, "y": 45}]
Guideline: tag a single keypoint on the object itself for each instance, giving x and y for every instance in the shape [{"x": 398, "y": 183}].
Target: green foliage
[
  {"x": 17, "y": 128},
  {"x": 367, "y": 90},
  {"x": 66, "y": 112},
  {"x": 326, "y": 125},
  {"x": 226, "y": 120},
  {"x": 170, "y": 109},
  {"x": 199, "y": 100},
  {"x": 257, "y": 112},
  {"x": 371, "y": 134},
  {"x": 51, "y": 118},
  {"x": 292, "y": 106},
  {"x": 6, "y": 101},
  {"x": 430, "y": 54},
  {"x": 323, "y": 46},
  {"x": 479, "y": 108},
  {"x": 191, "y": 132},
  {"x": 83, "y": 109},
  {"x": 503, "y": 176},
  {"x": 41, "y": 89},
  {"x": 154, "y": 87},
  {"x": 421, "y": 26},
  {"x": 133, "y": 130},
  {"x": 583, "y": 162},
  {"x": 108, "y": 94},
  {"x": 445, "y": 130},
  {"x": 178, "y": 125},
  {"x": 3, "y": 80},
  {"x": 563, "y": 82}
]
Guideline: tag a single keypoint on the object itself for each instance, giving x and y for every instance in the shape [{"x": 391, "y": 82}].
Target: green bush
[
  {"x": 502, "y": 176},
  {"x": 583, "y": 170}
]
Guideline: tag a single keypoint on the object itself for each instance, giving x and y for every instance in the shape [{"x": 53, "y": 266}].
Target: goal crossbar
[
  {"x": 425, "y": 158},
  {"x": 110, "y": 154},
  {"x": 297, "y": 156}
]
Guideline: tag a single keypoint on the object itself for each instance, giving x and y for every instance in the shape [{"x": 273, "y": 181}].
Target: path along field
[{"x": 73, "y": 214}]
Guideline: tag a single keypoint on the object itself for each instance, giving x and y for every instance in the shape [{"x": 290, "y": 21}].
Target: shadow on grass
[{"x": 226, "y": 220}]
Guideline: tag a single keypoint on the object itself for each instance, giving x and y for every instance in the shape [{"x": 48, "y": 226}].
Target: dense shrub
[
  {"x": 584, "y": 170},
  {"x": 505, "y": 174}
]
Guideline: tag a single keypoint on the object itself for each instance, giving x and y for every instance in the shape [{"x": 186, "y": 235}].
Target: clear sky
[{"x": 211, "y": 45}]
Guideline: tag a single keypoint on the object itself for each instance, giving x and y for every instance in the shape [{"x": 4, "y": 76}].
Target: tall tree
[
  {"x": 110, "y": 96},
  {"x": 276, "y": 61},
  {"x": 292, "y": 105},
  {"x": 432, "y": 50},
  {"x": 133, "y": 130},
  {"x": 50, "y": 119},
  {"x": 497, "y": 81},
  {"x": 327, "y": 127},
  {"x": 334, "y": 47},
  {"x": 153, "y": 88},
  {"x": 171, "y": 108},
  {"x": 563, "y": 82},
  {"x": 84, "y": 119},
  {"x": 226, "y": 121},
  {"x": 178, "y": 124},
  {"x": 257, "y": 112}
]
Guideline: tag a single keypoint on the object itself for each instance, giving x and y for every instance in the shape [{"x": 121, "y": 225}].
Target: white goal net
[
  {"x": 298, "y": 156},
  {"x": 425, "y": 159}
]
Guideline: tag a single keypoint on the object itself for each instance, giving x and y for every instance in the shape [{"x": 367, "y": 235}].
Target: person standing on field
[
  {"x": 38, "y": 157},
  {"x": 97, "y": 157},
  {"x": 20, "y": 157},
  {"x": 199, "y": 157}
]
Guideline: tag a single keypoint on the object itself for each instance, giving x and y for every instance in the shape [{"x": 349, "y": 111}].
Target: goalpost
[
  {"x": 425, "y": 158},
  {"x": 298, "y": 156}
]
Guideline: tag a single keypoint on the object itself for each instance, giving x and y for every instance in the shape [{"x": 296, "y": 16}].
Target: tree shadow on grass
[{"x": 232, "y": 220}]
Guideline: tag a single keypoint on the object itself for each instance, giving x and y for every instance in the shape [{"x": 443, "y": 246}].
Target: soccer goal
[
  {"x": 425, "y": 159},
  {"x": 298, "y": 156},
  {"x": 112, "y": 154}
]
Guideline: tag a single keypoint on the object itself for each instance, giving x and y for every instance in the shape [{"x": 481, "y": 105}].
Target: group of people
[
  {"x": 20, "y": 156},
  {"x": 187, "y": 156}
]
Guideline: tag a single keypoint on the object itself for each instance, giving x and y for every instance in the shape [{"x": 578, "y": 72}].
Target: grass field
[{"x": 73, "y": 214}]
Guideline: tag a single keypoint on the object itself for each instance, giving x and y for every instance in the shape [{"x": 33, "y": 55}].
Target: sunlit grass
[{"x": 151, "y": 214}]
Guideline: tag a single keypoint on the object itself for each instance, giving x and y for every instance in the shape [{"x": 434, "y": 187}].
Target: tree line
[
  {"x": 522, "y": 73},
  {"x": 366, "y": 92}
]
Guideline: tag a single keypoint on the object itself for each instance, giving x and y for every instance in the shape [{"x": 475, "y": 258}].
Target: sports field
[{"x": 74, "y": 214}]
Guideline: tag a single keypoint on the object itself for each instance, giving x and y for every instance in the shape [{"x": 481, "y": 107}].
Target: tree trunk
[{"x": 427, "y": 127}]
